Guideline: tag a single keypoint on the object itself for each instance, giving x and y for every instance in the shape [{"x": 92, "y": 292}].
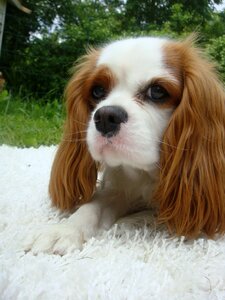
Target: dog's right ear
[{"x": 74, "y": 172}]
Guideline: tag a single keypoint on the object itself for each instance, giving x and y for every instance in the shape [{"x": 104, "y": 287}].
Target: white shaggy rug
[{"x": 134, "y": 260}]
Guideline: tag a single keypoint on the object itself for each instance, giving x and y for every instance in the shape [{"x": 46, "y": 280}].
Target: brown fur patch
[
  {"x": 74, "y": 173},
  {"x": 174, "y": 89},
  {"x": 103, "y": 76},
  {"x": 191, "y": 189}
]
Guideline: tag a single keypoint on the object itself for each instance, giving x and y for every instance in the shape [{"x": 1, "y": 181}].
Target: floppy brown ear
[
  {"x": 74, "y": 173},
  {"x": 191, "y": 191}
]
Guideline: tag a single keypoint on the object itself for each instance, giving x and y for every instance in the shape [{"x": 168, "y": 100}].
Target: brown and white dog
[{"x": 151, "y": 113}]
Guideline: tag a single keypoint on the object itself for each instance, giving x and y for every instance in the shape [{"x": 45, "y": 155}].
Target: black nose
[{"x": 108, "y": 119}]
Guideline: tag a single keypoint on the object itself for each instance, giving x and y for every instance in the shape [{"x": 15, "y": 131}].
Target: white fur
[
  {"x": 130, "y": 261},
  {"x": 130, "y": 158}
]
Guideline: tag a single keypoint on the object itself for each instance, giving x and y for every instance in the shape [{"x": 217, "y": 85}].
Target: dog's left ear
[
  {"x": 191, "y": 190},
  {"x": 74, "y": 172}
]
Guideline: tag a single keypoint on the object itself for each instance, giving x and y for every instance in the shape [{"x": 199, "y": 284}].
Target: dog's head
[
  {"x": 148, "y": 103},
  {"x": 133, "y": 92}
]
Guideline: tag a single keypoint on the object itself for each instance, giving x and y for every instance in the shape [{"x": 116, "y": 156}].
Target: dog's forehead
[{"x": 137, "y": 58}]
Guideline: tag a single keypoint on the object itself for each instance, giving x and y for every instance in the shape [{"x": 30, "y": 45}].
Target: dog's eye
[
  {"x": 157, "y": 94},
  {"x": 98, "y": 92}
]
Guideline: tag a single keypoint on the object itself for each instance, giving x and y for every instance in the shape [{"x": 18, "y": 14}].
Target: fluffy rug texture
[{"x": 133, "y": 260}]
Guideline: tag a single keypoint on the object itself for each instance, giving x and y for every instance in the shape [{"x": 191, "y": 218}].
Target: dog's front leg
[{"x": 85, "y": 223}]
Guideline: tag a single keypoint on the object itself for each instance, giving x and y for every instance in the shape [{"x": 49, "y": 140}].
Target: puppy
[{"x": 151, "y": 113}]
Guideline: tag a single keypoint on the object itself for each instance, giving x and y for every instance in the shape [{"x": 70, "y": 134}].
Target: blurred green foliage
[
  {"x": 39, "y": 49},
  {"x": 216, "y": 48}
]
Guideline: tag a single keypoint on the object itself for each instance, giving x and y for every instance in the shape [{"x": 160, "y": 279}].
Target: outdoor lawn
[{"x": 29, "y": 123}]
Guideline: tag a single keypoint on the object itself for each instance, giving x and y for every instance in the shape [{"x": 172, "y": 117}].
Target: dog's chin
[
  {"x": 114, "y": 152},
  {"x": 108, "y": 151}
]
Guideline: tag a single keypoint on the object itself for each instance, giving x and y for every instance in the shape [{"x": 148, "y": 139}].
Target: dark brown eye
[
  {"x": 98, "y": 92},
  {"x": 157, "y": 94}
]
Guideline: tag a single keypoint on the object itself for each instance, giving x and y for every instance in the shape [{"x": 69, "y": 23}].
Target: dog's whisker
[
  {"x": 74, "y": 140},
  {"x": 158, "y": 166},
  {"x": 77, "y": 132},
  {"x": 80, "y": 122}
]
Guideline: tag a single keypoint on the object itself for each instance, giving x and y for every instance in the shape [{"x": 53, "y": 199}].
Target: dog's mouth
[
  {"x": 113, "y": 143},
  {"x": 108, "y": 149}
]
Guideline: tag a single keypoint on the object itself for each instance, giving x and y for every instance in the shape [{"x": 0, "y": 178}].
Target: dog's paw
[{"x": 58, "y": 239}]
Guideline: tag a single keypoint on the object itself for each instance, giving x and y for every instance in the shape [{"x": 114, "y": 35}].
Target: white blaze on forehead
[
  {"x": 134, "y": 63},
  {"x": 135, "y": 60}
]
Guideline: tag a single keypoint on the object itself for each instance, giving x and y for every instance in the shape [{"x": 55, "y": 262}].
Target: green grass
[{"x": 29, "y": 123}]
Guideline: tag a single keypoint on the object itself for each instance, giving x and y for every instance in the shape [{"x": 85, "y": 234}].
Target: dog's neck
[{"x": 136, "y": 186}]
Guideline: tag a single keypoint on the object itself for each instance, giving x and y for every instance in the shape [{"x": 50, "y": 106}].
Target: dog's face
[{"x": 134, "y": 91}]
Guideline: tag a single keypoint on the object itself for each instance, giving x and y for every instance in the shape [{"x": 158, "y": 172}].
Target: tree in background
[
  {"x": 154, "y": 13},
  {"x": 39, "y": 49},
  {"x": 17, "y": 39}
]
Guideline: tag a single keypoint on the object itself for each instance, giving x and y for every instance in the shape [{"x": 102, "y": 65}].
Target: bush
[{"x": 216, "y": 49}]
